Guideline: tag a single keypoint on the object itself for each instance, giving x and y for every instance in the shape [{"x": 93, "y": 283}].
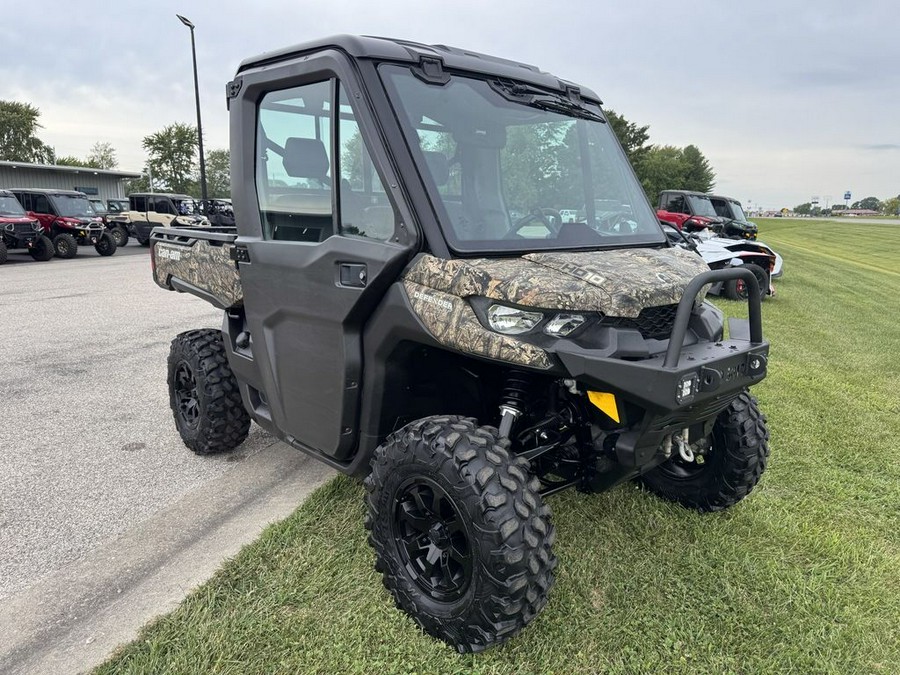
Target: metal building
[{"x": 104, "y": 183}]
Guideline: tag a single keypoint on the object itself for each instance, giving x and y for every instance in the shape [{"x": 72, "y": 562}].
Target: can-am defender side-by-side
[
  {"x": 154, "y": 209},
  {"x": 67, "y": 219},
  {"x": 18, "y": 230},
  {"x": 403, "y": 301}
]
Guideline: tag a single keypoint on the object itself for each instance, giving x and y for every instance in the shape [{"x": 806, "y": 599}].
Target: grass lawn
[{"x": 802, "y": 576}]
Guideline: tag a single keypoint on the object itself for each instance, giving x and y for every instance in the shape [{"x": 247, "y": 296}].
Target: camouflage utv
[{"x": 403, "y": 301}]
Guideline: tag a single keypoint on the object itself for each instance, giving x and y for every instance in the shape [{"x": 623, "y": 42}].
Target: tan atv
[{"x": 154, "y": 209}]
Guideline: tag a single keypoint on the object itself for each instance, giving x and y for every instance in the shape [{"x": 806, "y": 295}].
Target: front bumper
[
  {"x": 87, "y": 235},
  {"x": 686, "y": 385}
]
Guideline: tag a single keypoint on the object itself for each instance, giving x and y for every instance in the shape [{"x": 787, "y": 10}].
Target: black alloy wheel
[
  {"x": 186, "y": 399},
  {"x": 432, "y": 540}
]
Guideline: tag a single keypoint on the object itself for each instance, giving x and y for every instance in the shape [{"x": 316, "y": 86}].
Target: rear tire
[
  {"x": 731, "y": 468},
  {"x": 107, "y": 245},
  {"x": 120, "y": 235},
  {"x": 737, "y": 289},
  {"x": 204, "y": 395},
  {"x": 460, "y": 532},
  {"x": 4, "y": 252},
  {"x": 65, "y": 245},
  {"x": 42, "y": 250}
]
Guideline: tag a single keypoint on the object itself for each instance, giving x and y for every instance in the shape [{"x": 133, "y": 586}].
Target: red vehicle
[
  {"x": 687, "y": 210},
  {"x": 18, "y": 230},
  {"x": 68, "y": 219}
]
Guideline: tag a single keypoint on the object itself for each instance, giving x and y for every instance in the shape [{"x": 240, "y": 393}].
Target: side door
[
  {"x": 326, "y": 250},
  {"x": 42, "y": 209}
]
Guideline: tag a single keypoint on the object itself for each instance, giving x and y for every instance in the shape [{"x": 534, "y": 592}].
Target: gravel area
[{"x": 88, "y": 448}]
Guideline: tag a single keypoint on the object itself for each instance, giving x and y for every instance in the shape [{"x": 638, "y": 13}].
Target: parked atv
[
  {"x": 67, "y": 219},
  {"x": 721, "y": 252},
  {"x": 386, "y": 312},
  {"x": 17, "y": 230},
  {"x": 118, "y": 231},
  {"x": 734, "y": 221},
  {"x": 152, "y": 209}
]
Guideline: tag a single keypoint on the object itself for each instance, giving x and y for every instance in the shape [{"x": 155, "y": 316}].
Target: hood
[
  {"x": 618, "y": 283},
  {"x": 16, "y": 219}
]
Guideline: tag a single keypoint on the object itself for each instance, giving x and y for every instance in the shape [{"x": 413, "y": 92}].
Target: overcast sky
[{"x": 788, "y": 100}]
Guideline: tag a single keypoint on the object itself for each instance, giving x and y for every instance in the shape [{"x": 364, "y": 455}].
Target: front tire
[
  {"x": 65, "y": 245},
  {"x": 107, "y": 245},
  {"x": 204, "y": 395},
  {"x": 460, "y": 532},
  {"x": 119, "y": 235},
  {"x": 42, "y": 250},
  {"x": 730, "y": 469},
  {"x": 4, "y": 252}
]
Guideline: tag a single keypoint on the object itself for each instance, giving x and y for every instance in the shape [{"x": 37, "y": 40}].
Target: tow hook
[{"x": 684, "y": 448}]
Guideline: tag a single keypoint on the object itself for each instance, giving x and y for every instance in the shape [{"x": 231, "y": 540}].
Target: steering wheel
[
  {"x": 544, "y": 216},
  {"x": 618, "y": 223}
]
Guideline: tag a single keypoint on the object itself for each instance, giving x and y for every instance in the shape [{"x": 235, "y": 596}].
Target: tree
[
  {"x": 891, "y": 207},
  {"x": 803, "y": 209},
  {"x": 218, "y": 174},
  {"x": 18, "y": 129},
  {"x": 172, "y": 157},
  {"x": 102, "y": 156},
  {"x": 69, "y": 160},
  {"x": 698, "y": 175},
  {"x": 872, "y": 203},
  {"x": 632, "y": 137},
  {"x": 663, "y": 168}
]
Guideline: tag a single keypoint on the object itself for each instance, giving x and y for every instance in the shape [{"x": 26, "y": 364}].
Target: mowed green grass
[{"x": 802, "y": 576}]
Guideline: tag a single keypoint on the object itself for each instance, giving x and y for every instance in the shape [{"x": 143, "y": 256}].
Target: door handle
[{"x": 353, "y": 275}]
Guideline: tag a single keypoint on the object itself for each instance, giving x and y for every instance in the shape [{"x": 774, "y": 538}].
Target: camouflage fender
[
  {"x": 618, "y": 283},
  {"x": 202, "y": 265},
  {"x": 453, "y": 323}
]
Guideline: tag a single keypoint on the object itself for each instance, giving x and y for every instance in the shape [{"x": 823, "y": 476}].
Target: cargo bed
[{"x": 198, "y": 260}]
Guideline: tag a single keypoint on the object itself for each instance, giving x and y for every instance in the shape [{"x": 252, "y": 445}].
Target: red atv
[
  {"x": 688, "y": 211},
  {"x": 17, "y": 230}
]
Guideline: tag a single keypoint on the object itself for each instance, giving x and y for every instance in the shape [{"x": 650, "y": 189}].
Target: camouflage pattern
[
  {"x": 451, "y": 320},
  {"x": 619, "y": 283},
  {"x": 202, "y": 264}
]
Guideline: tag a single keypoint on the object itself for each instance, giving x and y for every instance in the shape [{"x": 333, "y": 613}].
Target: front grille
[{"x": 653, "y": 323}]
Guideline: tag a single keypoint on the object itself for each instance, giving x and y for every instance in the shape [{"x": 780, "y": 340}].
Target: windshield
[
  {"x": 73, "y": 206},
  {"x": 737, "y": 211},
  {"x": 702, "y": 206},
  {"x": 9, "y": 206},
  {"x": 98, "y": 206},
  {"x": 117, "y": 205},
  {"x": 520, "y": 169}
]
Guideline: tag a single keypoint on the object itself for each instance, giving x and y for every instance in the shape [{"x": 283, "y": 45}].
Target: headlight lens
[
  {"x": 562, "y": 325},
  {"x": 512, "y": 321}
]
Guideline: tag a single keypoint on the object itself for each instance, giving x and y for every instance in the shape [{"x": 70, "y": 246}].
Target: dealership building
[{"x": 103, "y": 183}]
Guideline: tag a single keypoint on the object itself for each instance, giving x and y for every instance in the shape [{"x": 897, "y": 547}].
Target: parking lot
[{"x": 89, "y": 453}]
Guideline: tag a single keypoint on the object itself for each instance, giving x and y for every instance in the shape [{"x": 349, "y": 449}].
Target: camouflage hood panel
[{"x": 618, "y": 283}]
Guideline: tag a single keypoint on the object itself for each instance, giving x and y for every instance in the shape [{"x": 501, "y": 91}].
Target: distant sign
[
  {"x": 847, "y": 194},
  {"x": 814, "y": 201}
]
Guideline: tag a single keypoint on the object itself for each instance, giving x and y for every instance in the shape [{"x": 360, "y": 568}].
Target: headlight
[
  {"x": 562, "y": 325},
  {"x": 512, "y": 321},
  {"x": 36, "y": 226}
]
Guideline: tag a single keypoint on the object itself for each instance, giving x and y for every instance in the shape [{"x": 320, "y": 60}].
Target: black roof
[
  {"x": 172, "y": 195},
  {"x": 730, "y": 199},
  {"x": 688, "y": 192},
  {"x": 49, "y": 191},
  {"x": 388, "y": 49}
]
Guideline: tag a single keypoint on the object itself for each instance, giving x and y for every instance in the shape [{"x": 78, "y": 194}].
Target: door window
[
  {"x": 295, "y": 170},
  {"x": 41, "y": 204}
]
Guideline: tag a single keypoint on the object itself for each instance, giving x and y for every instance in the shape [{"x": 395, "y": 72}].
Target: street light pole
[{"x": 203, "y": 193}]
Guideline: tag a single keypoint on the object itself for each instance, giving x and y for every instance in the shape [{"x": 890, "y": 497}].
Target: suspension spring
[{"x": 514, "y": 400}]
